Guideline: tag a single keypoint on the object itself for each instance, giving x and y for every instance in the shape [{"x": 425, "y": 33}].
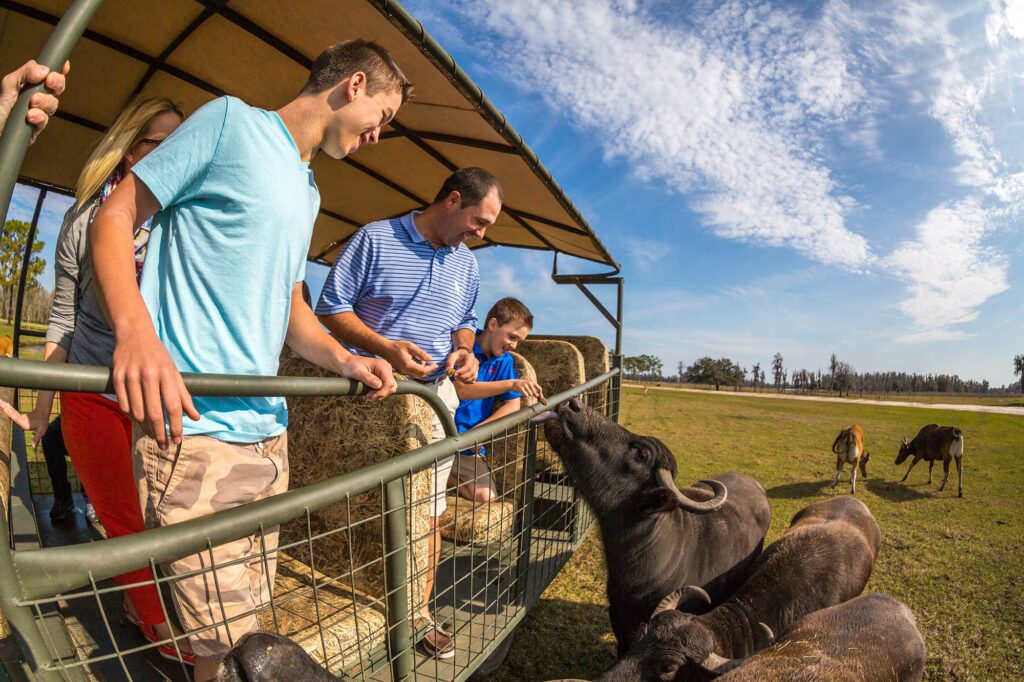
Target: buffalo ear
[{"x": 659, "y": 499}]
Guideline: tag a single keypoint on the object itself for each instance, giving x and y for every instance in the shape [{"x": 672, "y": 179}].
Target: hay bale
[
  {"x": 559, "y": 366},
  {"x": 595, "y": 355},
  {"x": 329, "y": 436},
  {"x": 470, "y": 523},
  {"x": 353, "y": 623},
  {"x": 595, "y": 363}
]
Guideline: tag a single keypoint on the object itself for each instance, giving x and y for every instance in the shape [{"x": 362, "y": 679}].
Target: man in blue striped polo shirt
[{"x": 405, "y": 290}]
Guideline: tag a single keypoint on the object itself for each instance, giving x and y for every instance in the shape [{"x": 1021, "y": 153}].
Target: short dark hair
[
  {"x": 472, "y": 184},
  {"x": 509, "y": 309},
  {"x": 341, "y": 60}
]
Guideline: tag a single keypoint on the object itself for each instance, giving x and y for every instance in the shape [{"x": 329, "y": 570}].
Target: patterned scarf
[{"x": 141, "y": 235}]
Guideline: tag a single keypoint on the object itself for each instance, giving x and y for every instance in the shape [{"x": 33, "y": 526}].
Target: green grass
[
  {"x": 31, "y": 347},
  {"x": 958, "y": 563}
]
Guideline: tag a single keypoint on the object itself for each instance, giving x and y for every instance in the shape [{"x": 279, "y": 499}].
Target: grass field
[
  {"x": 31, "y": 346},
  {"x": 958, "y": 563},
  {"x": 1000, "y": 400}
]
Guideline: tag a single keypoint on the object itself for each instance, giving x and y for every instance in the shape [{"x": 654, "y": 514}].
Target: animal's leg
[
  {"x": 839, "y": 470},
  {"x": 853, "y": 480},
  {"x": 912, "y": 463},
  {"x": 945, "y": 470},
  {"x": 959, "y": 477},
  {"x": 931, "y": 464}
]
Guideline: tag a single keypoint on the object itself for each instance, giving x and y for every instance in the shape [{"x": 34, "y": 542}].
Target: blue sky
[{"x": 793, "y": 178}]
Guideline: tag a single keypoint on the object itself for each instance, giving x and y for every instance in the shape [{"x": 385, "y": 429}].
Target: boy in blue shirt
[{"x": 507, "y": 323}]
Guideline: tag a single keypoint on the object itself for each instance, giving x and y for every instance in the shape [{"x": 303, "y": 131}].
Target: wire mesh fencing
[{"x": 357, "y": 577}]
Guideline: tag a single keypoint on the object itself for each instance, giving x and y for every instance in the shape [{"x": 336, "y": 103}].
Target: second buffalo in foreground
[
  {"x": 656, "y": 536},
  {"x": 825, "y": 558}
]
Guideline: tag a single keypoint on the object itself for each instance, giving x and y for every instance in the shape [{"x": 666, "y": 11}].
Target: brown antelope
[
  {"x": 934, "y": 442},
  {"x": 849, "y": 449}
]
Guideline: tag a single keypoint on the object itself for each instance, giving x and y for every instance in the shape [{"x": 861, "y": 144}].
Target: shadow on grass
[
  {"x": 893, "y": 491},
  {"x": 560, "y": 639},
  {"x": 796, "y": 491}
]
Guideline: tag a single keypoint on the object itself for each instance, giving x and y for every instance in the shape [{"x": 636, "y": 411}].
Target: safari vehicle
[{"x": 352, "y": 557}]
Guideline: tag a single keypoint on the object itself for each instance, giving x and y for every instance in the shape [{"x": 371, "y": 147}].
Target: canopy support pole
[
  {"x": 581, "y": 282},
  {"x": 14, "y": 143}
]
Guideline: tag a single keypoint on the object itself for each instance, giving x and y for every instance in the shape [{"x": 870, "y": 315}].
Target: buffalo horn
[
  {"x": 686, "y": 503},
  {"x": 674, "y": 599},
  {"x": 717, "y": 664},
  {"x": 767, "y": 633}
]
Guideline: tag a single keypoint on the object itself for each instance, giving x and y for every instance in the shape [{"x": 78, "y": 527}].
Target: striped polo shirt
[{"x": 403, "y": 288}]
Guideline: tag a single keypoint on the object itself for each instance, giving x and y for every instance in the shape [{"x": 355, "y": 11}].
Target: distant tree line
[
  {"x": 36, "y": 306},
  {"x": 840, "y": 378}
]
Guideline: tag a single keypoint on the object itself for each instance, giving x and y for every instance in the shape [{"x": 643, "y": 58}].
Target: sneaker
[
  {"x": 90, "y": 514},
  {"x": 436, "y": 642},
  {"x": 62, "y": 510}
]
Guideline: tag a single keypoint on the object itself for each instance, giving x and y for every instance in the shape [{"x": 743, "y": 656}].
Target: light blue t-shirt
[{"x": 230, "y": 242}]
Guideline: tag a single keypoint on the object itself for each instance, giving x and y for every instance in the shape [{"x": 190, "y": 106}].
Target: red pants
[{"x": 99, "y": 439}]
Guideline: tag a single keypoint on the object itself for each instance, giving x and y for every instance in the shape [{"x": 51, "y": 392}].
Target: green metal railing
[{"x": 28, "y": 578}]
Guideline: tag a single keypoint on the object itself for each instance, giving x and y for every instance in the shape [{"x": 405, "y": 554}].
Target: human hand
[
  {"x": 374, "y": 372},
  {"x": 29, "y": 421},
  {"x": 409, "y": 359},
  {"x": 530, "y": 388},
  {"x": 43, "y": 105},
  {"x": 148, "y": 385},
  {"x": 467, "y": 364}
]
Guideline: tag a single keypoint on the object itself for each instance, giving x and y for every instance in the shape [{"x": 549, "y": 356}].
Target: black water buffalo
[
  {"x": 269, "y": 657},
  {"x": 824, "y": 558},
  {"x": 934, "y": 442},
  {"x": 872, "y": 638},
  {"x": 657, "y": 537}
]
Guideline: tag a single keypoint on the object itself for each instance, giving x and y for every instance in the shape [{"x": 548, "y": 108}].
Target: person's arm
[
  {"x": 39, "y": 417},
  {"x": 405, "y": 356},
  {"x": 146, "y": 381},
  {"x": 505, "y": 408},
  {"x": 464, "y": 336},
  {"x": 307, "y": 338},
  {"x": 42, "y": 105},
  {"x": 462, "y": 355},
  {"x": 491, "y": 389}
]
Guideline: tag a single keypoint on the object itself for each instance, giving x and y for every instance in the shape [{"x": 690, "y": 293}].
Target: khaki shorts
[
  {"x": 442, "y": 468},
  {"x": 472, "y": 469},
  {"x": 199, "y": 477}
]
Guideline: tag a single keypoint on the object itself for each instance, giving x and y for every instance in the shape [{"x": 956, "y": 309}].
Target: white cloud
[
  {"x": 949, "y": 270},
  {"x": 646, "y": 252},
  {"x": 737, "y": 108},
  {"x": 729, "y": 114}
]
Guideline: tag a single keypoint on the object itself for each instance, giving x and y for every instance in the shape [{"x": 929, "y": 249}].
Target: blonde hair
[{"x": 126, "y": 132}]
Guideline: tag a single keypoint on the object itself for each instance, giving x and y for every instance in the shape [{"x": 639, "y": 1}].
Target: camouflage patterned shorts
[{"x": 201, "y": 476}]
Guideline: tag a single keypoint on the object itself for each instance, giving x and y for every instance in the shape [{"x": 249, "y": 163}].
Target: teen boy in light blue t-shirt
[
  {"x": 507, "y": 323},
  {"x": 220, "y": 293}
]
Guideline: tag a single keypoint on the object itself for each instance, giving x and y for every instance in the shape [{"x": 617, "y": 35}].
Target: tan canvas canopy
[{"x": 260, "y": 50}]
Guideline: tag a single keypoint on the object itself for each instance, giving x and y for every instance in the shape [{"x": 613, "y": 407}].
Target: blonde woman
[{"x": 97, "y": 434}]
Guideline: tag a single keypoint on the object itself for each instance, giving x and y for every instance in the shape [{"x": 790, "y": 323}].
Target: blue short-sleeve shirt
[
  {"x": 229, "y": 243},
  {"x": 497, "y": 368}
]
